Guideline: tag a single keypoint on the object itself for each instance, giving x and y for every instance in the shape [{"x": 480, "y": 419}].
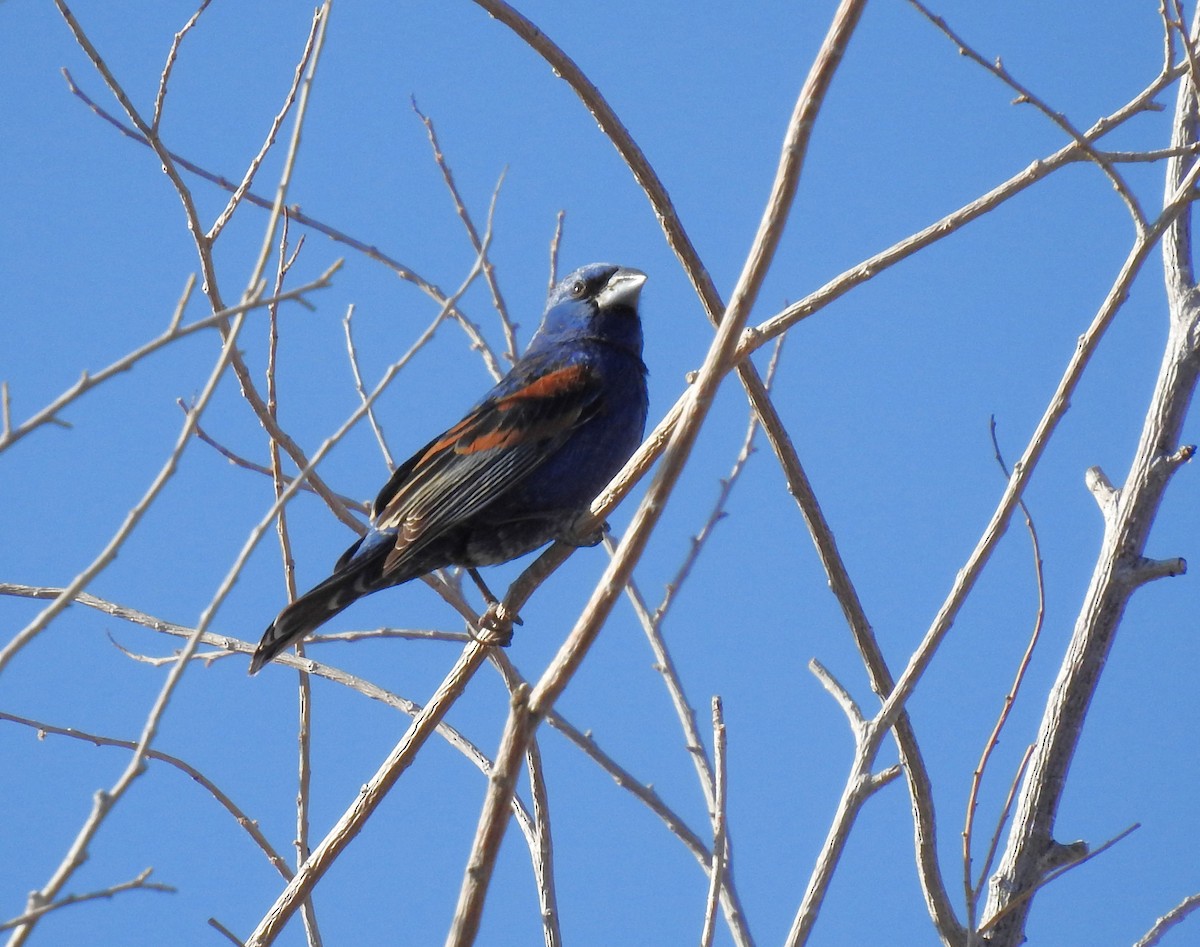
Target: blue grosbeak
[{"x": 520, "y": 470}]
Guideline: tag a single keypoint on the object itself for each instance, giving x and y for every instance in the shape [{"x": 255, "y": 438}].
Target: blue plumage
[{"x": 519, "y": 470}]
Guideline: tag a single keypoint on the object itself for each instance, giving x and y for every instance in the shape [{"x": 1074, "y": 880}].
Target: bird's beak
[{"x": 622, "y": 289}]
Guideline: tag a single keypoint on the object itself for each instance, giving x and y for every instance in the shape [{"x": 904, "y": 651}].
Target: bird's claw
[
  {"x": 496, "y": 625},
  {"x": 585, "y": 532}
]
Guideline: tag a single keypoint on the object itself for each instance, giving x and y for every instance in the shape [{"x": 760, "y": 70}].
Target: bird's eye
[{"x": 578, "y": 288}]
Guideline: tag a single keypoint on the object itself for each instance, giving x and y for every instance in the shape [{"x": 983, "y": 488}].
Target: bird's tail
[{"x": 313, "y": 609}]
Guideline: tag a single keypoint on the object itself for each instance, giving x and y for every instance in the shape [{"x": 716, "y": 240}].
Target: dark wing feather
[{"x": 482, "y": 457}]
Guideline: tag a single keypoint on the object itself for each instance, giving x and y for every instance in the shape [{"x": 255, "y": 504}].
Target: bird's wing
[{"x": 488, "y": 452}]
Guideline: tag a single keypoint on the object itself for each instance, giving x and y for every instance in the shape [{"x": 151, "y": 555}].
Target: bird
[{"x": 518, "y": 471}]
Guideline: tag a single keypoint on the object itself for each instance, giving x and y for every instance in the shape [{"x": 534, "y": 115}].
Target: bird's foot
[
  {"x": 496, "y": 625},
  {"x": 584, "y": 531}
]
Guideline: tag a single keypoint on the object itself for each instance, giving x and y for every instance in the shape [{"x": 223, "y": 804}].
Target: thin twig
[
  {"x": 170, "y": 63},
  {"x": 555, "y": 243},
  {"x": 289, "y": 565},
  {"x": 489, "y": 271},
  {"x": 1024, "y": 94},
  {"x": 1150, "y": 155},
  {"x": 378, "y": 634},
  {"x": 543, "y": 849},
  {"x": 1168, "y": 36},
  {"x": 140, "y": 883},
  {"x": 316, "y": 669},
  {"x": 719, "y": 820},
  {"x": 300, "y": 90},
  {"x": 316, "y": 30},
  {"x": 203, "y": 243},
  {"x": 1027, "y": 894},
  {"x": 352, "y": 354},
  {"x": 150, "y": 137},
  {"x": 278, "y": 862},
  {"x": 1173, "y": 917},
  {"x": 726, "y": 489},
  {"x": 228, "y": 934},
  {"x": 1001, "y": 821},
  {"x": 174, "y": 332},
  {"x": 239, "y": 461},
  {"x": 104, "y": 801},
  {"x": 973, "y": 890},
  {"x": 297, "y": 215},
  {"x": 304, "y": 691},
  {"x": 1037, "y": 171},
  {"x": 664, "y": 663}
]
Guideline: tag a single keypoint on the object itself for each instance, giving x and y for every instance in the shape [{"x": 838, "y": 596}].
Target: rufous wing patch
[
  {"x": 495, "y": 433},
  {"x": 549, "y": 385}
]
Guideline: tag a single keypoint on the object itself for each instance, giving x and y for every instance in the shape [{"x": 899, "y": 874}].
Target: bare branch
[
  {"x": 719, "y": 817},
  {"x": 405, "y": 273},
  {"x": 1037, "y": 171},
  {"x": 239, "y": 461},
  {"x": 1023, "y": 469},
  {"x": 524, "y": 717},
  {"x": 542, "y": 845},
  {"x": 278, "y": 862},
  {"x": 1120, "y": 564},
  {"x": 109, "y": 552},
  {"x": 105, "y": 800},
  {"x": 974, "y": 889},
  {"x": 151, "y": 138},
  {"x": 489, "y": 271},
  {"x": 170, "y": 63},
  {"x": 362, "y": 391},
  {"x": 1001, "y": 822},
  {"x": 233, "y": 645},
  {"x": 1061, "y": 859},
  {"x": 222, "y": 929},
  {"x": 310, "y": 45},
  {"x": 860, "y": 785},
  {"x": 140, "y": 883},
  {"x": 555, "y": 243},
  {"x": 173, "y": 333},
  {"x": 718, "y": 510},
  {"x": 304, "y": 693},
  {"x": 839, "y": 693},
  {"x": 1175, "y": 916},
  {"x": 1024, "y": 94},
  {"x": 204, "y": 244}
]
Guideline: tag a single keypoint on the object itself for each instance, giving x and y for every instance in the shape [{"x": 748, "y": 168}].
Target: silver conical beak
[{"x": 623, "y": 289}]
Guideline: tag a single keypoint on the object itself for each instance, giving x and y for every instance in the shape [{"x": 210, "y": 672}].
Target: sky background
[{"x": 887, "y": 394}]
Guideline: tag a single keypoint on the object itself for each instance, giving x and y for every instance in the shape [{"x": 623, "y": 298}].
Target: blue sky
[{"x": 887, "y": 394}]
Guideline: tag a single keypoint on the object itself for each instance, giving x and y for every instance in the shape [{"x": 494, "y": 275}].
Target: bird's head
[{"x": 598, "y": 301}]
